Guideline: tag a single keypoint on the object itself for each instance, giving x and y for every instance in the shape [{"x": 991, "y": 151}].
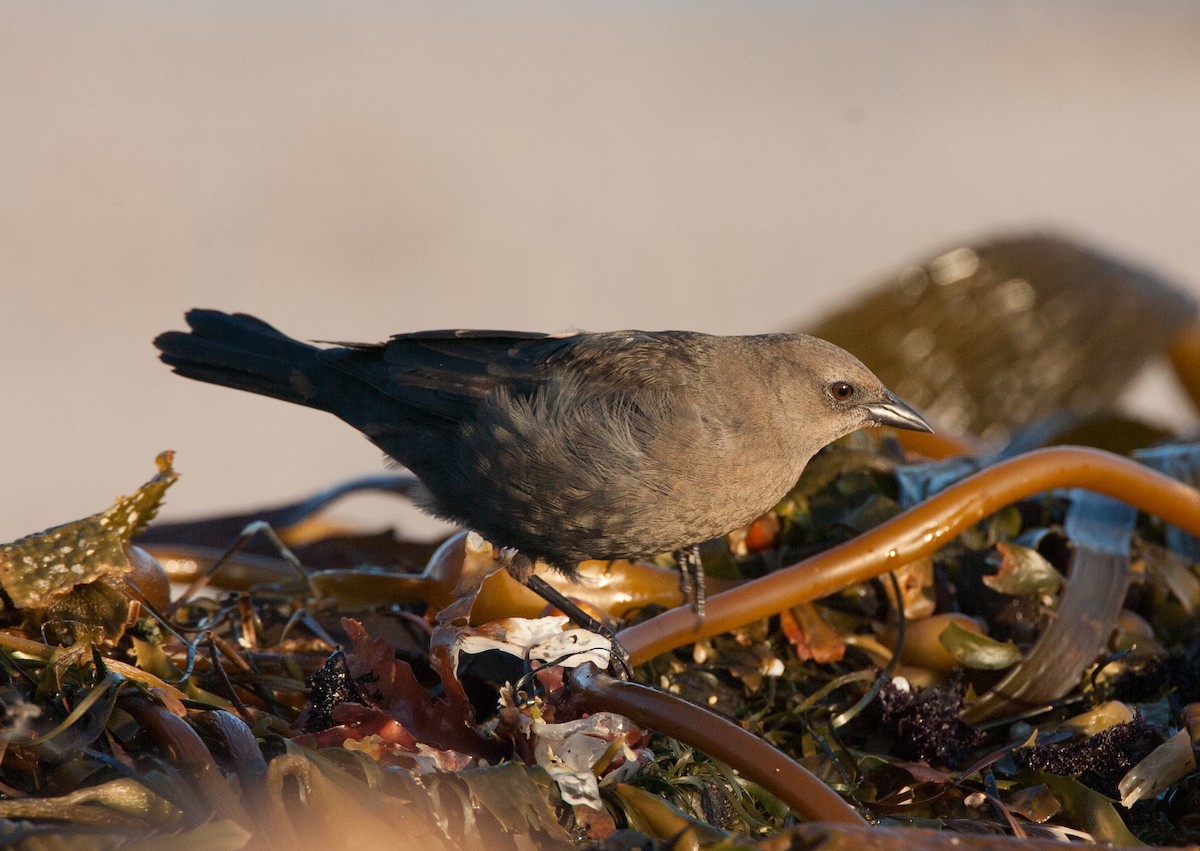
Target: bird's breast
[{"x": 567, "y": 479}]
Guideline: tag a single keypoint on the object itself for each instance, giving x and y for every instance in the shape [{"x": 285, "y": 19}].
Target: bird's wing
[{"x": 442, "y": 376}]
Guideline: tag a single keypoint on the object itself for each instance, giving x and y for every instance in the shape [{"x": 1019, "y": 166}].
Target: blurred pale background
[{"x": 348, "y": 171}]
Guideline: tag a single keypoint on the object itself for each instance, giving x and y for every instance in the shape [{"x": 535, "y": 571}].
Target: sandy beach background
[{"x": 348, "y": 171}]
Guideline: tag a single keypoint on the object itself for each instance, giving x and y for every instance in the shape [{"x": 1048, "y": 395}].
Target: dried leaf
[
  {"x": 1175, "y": 572},
  {"x": 1100, "y": 718},
  {"x": 447, "y": 723},
  {"x": 521, "y": 799},
  {"x": 972, "y": 650},
  {"x": 37, "y": 568},
  {"x": 1023, "y": 570},
  {"x": 813, "y": 638},
  {"x": 1088, "y": 810},
  {"x": 918, "y": 597},
  {"x": 1034, "y": 803},
  {"x": 653, "y": 815},
  {"x": 1165, "y": 765},
  {"x": 479, "y": 561}
]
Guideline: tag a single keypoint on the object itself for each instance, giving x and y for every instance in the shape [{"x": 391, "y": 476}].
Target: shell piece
[{"x": 36, "y": 569}]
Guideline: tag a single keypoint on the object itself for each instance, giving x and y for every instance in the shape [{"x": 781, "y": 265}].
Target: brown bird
[{"x": 565, "y": 448}]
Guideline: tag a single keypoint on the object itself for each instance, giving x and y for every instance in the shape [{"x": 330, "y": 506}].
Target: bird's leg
[
  {"x": 691, "y": 577},
  {"x": 686, "y": 585},
  {"x": 524, "y": 574}
]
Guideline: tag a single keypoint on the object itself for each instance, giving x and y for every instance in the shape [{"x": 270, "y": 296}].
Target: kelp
[
  {"x": 921, "y": 644},
  {"x": 238, "y": 702}
]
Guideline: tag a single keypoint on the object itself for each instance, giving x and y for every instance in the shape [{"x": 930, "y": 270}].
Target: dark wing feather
[{"x": 442, "y": 376}]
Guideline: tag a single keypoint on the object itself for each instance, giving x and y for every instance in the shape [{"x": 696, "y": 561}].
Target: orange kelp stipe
[
  {"x": 720, "y": 738},
  {"x": 918, "y": 532}
]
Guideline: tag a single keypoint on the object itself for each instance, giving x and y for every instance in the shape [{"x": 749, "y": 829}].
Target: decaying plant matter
[{"x": 1002, "y": 647}]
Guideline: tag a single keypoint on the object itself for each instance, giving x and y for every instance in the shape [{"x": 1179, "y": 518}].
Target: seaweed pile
[{"x": 984, "y": 639}]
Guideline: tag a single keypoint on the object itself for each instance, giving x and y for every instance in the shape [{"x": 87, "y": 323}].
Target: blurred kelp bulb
[{"x": 993, "y": 337}]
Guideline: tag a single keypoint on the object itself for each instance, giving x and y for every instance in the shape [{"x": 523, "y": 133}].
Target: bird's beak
[{"x": 892, "y": 412}]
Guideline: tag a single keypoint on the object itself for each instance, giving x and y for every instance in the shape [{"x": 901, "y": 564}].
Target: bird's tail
[{"x": 240, "y": 351}]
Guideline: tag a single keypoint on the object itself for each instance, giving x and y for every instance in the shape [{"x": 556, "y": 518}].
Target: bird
[{"x": 561, "y": 448}]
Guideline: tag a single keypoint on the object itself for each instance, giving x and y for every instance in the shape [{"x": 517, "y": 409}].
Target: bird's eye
[{"x": 841, "y": 391}]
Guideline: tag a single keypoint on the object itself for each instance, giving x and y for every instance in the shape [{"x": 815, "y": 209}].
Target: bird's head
[{"x": 835, "y": 391}]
